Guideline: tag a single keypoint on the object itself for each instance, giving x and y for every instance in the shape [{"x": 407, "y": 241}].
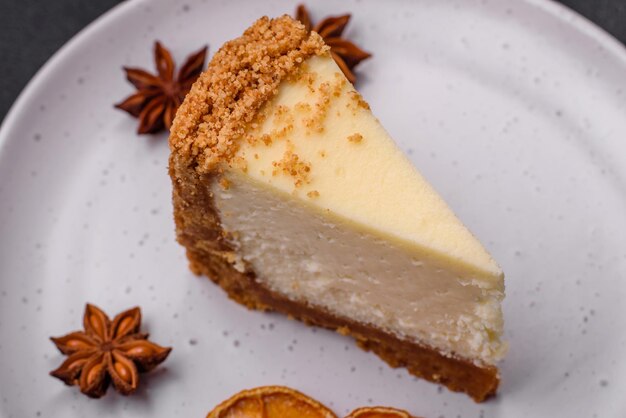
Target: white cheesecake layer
[
  {"x": 350, "y": 270},
  {"x": 355, "y": 169},
  {"x": 326, "y": 209}
]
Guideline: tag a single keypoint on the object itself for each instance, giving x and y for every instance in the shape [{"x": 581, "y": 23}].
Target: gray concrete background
[{"x": 32, "y": 30}]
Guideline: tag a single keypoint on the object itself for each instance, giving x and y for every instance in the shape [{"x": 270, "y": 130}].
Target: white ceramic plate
[{"x": 515, "y": 110}]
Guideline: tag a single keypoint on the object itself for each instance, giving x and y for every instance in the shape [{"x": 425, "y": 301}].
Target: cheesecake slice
[{"x": 290, "y": 195}]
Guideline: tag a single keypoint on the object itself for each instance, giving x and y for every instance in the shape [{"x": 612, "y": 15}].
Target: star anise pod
[
  {"x": 107, "y": 352},
  {"x": 345, "y": 53},
  {"x": 159, "y": 96}
]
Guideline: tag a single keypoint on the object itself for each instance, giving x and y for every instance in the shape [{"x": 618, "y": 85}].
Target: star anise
[
  {"x": 346, "y": 54},
  {"x": 107, "y": 352},
  {"x": 159, "y": 96}
]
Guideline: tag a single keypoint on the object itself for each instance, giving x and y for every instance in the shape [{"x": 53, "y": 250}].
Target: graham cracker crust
[{"x": 199, "y": 231}]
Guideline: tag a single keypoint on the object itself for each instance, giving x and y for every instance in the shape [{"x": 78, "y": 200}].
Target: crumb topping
[
  {"x": 355, "y": 138},
  {"x": 292, "y": 165},
  {"x": 303, "y": 107},
  {"x": 358, "y": 101},
  {"x": 224, "y": 183},
  {"x": 242, "y": 76},
  {"x": 325, "y": 92}
]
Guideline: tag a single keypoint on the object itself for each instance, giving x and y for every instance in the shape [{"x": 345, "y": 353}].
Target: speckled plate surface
[{"x": 515, "y": 111}]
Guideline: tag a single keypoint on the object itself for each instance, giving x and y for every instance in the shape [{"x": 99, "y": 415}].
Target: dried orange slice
[
  {"x": 379, "y": 412},
  {"x": 271, "y": 402}
]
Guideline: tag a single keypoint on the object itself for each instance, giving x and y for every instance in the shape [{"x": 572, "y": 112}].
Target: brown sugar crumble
[
  {"x": 313, "y": 194},
  {"x": 326, "y": 91},
  {"x": 358, "y": 100},
  {"x": 316, "y": 122},
  {"x": 303, "y": 107},
  {"x": 293, "y": 166},
  {"x": 355, "y": 138},
  {"x": 243, "y": 75},
  {"x": 283, "y": 123},
  {"x": 224, "y": 183},
  {"x": 266, "y": 139}
]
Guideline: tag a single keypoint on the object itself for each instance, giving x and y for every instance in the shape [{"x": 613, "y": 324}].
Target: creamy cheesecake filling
[
  {"x": 318, "y": 140},
  {"x": 351, "y": 271}
]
